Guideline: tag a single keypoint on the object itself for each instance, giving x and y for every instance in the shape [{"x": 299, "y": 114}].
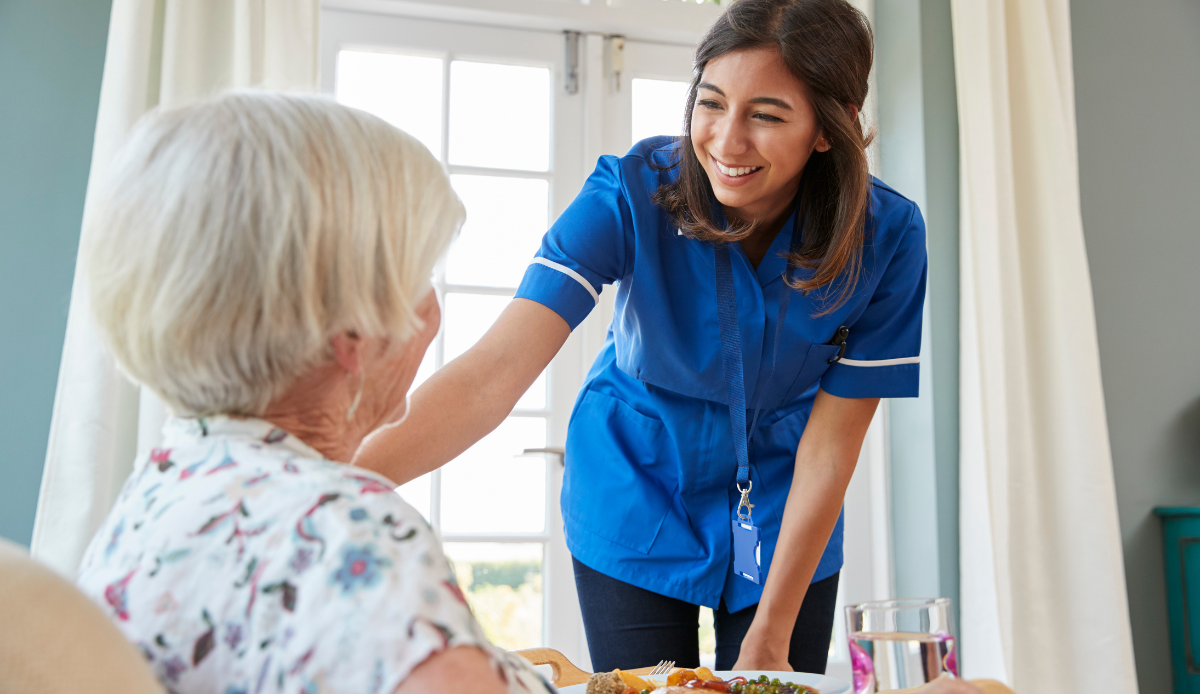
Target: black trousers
[{"x": 629, "y": 627}]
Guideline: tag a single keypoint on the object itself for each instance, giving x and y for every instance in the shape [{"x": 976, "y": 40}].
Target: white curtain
[
  {"x": 160, "y": 52},
  {"x": 1044, "y": 606}
]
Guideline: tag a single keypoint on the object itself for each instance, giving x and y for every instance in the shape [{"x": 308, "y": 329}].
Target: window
[
  {"x": 657, "y": 107},
  {"x": 490, "y": 505},
  {"x": 499, "y": 167}
]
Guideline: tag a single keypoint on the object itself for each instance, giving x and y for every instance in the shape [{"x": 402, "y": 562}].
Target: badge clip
[{"x": 745, "y": 502}]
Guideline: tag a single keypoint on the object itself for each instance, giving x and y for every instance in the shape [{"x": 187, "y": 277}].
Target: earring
[{"x": 362, "y": 380}]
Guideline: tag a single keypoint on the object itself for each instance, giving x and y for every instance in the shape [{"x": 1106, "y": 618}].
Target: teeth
[{"x": 736, "y": 170}]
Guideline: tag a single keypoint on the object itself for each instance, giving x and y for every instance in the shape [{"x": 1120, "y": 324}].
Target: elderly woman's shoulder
[
  {"x": 297, "y": 480},
  {"x": 232, "y": 535},
  {"x": 211, "y": 475}
]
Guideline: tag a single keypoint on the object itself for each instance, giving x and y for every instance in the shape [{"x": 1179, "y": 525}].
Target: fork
[{"x": 664, "y": 667}]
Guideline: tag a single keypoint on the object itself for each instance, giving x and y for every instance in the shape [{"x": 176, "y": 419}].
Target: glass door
[{"x": 489, "y": 103}]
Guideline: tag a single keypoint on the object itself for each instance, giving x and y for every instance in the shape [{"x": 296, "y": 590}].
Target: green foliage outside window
[{"x": 506, "y": 598}]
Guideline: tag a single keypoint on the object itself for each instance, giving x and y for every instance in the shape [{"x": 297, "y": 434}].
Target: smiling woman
[{"x": 675, "y": 490}]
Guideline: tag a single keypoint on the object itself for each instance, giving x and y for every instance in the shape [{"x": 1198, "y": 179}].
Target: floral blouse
[{"x": 240, "y": 561}]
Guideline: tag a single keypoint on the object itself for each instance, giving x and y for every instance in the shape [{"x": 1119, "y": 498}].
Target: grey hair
[{"x": 232, "y": 238}]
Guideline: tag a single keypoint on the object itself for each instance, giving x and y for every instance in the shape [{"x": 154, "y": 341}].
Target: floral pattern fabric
[{"x": 240, "y": 561}]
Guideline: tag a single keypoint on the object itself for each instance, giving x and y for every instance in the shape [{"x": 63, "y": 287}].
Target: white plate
[{"x": 823, "y": 684}]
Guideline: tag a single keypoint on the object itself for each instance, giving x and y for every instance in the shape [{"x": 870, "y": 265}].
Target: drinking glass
[{"x": 895, "y": 644}]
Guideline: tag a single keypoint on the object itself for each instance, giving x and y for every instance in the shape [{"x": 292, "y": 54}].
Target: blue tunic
[{"x": 649, "y": 486}]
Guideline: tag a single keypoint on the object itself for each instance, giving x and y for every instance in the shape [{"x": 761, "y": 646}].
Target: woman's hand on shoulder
[
  {"x": 469, "y": 397},
  {"x": 464, "y": 670}
]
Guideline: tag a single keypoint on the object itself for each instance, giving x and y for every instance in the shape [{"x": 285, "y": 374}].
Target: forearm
[
  {"x": 448, "y": 413},
  {"x": 813, "y": 505},
  {"x": 469, "y": 397},
  {"x": 462, "y": 669},
  {"x": 825, "y": 461}
]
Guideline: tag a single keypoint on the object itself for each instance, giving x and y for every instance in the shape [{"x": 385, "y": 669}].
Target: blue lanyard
[{"x": 731, "y": 356}]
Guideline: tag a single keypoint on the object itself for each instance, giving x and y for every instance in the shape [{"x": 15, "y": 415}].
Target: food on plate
[
  {"x": 681, "y": 676},
  {"x": 607, "y": 683},
  {"x": 689, "y": 681},
  {"x": 634, "y": 682}
]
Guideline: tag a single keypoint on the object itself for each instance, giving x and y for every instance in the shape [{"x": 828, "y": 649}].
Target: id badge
[{"x": 746, "y": 552}]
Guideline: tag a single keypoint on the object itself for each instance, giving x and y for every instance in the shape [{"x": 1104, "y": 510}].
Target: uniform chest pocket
[
  {"x": 619, "y": 481},
  {"x": 816, "y": 363}
]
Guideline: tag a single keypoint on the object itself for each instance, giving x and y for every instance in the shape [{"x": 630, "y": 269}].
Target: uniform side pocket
[
  {"x": 816, "y": 363},
  {"x": 619, "y": 482}
]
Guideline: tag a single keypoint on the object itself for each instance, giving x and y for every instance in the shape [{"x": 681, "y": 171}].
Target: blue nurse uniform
[{"x": 649, "y": 486}]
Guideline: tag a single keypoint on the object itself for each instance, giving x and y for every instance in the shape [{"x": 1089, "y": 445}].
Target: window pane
[
  {"x": 416, "y": 493},
  {"x": 658, "y": 107},
  {"x": 708, "y": 639},
  {"x": 506, "y": 218},
  {"x": 488, "y": 489},
  {"x": 503, "y": 584},
  {"x": 499, "y": 116},
  {"x": 468, "y": 317},
  {"x": 404, "y": 90}
]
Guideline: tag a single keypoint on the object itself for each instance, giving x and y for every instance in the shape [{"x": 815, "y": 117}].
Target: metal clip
[
  {"x": 571, "y": 73},
  {"x": 616, "y": 54},
  {"x": 745, "y": 502},
  {"x": 839, "y": 340}
]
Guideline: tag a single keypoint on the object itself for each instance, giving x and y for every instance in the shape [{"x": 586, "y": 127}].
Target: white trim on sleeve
[
  {"x": 569, "y": 273},
  {"x": 880, "y": 362}
]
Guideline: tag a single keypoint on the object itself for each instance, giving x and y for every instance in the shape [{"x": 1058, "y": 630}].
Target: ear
[
  {"x": 429, "y": 310},
  {"x": 347, "y": 350},
  {"x": 823, "y": 144}
]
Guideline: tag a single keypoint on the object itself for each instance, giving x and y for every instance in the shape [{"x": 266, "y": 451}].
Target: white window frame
[{"x": 414, "y": 36}]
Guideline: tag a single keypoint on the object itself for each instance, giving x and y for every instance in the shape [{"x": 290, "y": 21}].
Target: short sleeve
[
  {"x": 590, "y": 245},
  {"x": 882, "y": 358}
]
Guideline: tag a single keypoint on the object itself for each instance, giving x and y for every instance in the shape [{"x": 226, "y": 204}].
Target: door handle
[{"x": 554, "y": 451}]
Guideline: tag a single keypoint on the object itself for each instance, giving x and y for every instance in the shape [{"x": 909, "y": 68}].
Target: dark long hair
[{"x": 828, "y": 46}]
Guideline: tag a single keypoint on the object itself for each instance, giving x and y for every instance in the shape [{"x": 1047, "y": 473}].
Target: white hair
[{"x": 234, "y": 237}]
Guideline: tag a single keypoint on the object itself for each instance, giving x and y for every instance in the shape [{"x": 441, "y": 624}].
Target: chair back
[{"x": 54, "y": 640}]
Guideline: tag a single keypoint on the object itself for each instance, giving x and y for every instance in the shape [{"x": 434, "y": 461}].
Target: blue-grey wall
[
  {"x": 51, "y": 59},
  {"x": 918, "y": 152},
  {"x": 1137, "y": 100}
]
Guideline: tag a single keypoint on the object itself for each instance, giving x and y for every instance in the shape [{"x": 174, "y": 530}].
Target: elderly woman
[{"x": 261, "y": 263}]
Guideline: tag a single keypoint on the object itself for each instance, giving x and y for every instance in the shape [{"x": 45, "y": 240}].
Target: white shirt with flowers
[{"x": 240, "y": 561}]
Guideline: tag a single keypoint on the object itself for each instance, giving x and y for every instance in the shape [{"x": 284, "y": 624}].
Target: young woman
[{"x": 769, "y": 292}]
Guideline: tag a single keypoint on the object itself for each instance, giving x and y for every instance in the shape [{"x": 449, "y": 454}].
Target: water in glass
[{"x": 896, "y": 644}]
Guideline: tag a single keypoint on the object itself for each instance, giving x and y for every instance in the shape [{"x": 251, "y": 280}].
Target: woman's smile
[{"x": 733, "y": 175}]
